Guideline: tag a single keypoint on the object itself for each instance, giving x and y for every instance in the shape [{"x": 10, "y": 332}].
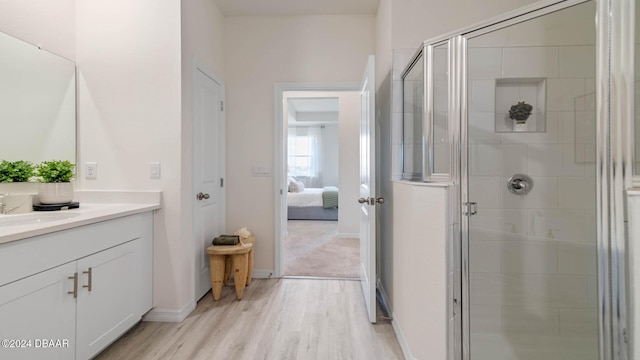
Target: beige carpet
[{"x": 313, "y": 248}]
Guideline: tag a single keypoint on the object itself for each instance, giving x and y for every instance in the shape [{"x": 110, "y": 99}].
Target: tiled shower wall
[{"x": 533, "y": 257}]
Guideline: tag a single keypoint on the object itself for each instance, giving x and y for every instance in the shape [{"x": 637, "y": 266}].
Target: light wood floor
[{"x": 277, "y": 319}]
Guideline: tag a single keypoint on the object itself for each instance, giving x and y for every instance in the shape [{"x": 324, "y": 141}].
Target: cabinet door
[
  {"x": 37, "y": 316},
  {"x": 107, "y": 301}
]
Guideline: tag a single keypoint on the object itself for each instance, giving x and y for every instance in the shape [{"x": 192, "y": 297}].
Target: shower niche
[{"x": 520, "y": 105}]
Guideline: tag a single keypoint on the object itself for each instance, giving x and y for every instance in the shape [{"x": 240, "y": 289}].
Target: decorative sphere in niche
[{"x": 520, "y": 112}]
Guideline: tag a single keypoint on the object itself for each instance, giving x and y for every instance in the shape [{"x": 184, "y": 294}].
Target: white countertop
[{"x": 87, "y": 213}]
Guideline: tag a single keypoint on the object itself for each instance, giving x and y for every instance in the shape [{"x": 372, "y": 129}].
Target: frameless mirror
[{"x": 37, "y": 103}]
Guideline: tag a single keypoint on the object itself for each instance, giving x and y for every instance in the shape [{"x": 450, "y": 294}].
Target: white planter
[{"x": 55, "y": 193}]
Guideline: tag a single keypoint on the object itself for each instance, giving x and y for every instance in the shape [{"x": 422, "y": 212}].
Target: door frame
[
  {"x": 197, "y": 66},
  {"x": 280, "y": 171}
]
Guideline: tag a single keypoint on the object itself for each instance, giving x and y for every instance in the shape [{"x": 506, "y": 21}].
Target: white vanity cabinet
[
  {"x": 85, "y": 286},
  {"x": 36, "y": 308}
]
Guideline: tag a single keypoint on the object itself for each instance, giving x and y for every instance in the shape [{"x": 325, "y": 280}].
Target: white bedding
[{"x": 308, "y": 197}]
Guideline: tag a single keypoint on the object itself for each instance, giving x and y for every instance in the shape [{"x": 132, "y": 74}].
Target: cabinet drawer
[{"x": 22, "y": 258}]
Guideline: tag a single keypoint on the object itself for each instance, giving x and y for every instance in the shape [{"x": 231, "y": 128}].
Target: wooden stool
[
  {"x": 238, "y": 255},
  {"x": 250, "y": 240},
  {"x": 227, "y": 266}
]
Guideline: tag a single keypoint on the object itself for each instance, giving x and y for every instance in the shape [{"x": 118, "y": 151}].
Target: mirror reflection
[{"x": 37, "y": 103}]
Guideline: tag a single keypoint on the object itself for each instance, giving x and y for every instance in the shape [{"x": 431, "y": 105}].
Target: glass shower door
[{"x": 532, "y": 281}]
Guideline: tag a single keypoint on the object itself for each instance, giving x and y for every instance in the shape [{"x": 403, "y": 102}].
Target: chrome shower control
[{"x": 520, "y": 184}]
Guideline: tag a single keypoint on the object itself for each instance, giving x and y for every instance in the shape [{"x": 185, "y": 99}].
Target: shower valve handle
[{"x": 520, "y": 184}]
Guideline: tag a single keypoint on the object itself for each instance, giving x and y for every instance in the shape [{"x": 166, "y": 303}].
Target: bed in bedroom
[{"x": 313, "y": 204}]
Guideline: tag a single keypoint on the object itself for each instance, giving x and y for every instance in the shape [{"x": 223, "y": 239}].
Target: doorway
[{"x": 317, "y": 228}]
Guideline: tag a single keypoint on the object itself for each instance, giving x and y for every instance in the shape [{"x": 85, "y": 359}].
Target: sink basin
[{"x": 34, "y": 218}]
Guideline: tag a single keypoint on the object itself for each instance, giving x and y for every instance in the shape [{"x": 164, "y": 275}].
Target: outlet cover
[{"x": 91, "y": 170}]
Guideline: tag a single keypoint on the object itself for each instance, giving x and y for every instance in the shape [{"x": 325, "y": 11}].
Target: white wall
[
  {"x": 261, "y": 51},
  {"x": 52, "y": 24},
  {"x": 416, "y": 21},
  {"x": 331, "y": 156},
  {"x": 130, "y": 114},
  {"x": 420, "y": 270}
]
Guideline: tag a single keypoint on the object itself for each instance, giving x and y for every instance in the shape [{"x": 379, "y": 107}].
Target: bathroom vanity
[{"x": 74, "y": 281}]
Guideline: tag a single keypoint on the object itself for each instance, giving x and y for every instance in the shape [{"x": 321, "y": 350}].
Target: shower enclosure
[
  {"x": 515, "y": 115},
  {"x": 532, "y": 244}
]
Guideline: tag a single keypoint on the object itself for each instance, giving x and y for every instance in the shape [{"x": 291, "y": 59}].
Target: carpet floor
[{"x": 313, "y": 248}]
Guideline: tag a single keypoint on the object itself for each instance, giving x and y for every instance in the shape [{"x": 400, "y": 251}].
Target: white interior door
[
  {"x": 368, "y": 199},
  {"x": 208, "y": 165}
]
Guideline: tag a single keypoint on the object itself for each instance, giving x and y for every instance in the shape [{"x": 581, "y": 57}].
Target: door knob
[
  {"x": 201, "y": 196},
  {"x": 371, "y": 201}
]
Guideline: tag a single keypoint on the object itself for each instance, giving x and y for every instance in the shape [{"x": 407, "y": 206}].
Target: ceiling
[
  {"x": 296, "y": 7},
  {"x": 313, "y": 104}
]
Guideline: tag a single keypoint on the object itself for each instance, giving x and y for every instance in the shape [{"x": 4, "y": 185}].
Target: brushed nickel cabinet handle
[
  {"x": 88, "y": 286},
  {"x": 75, "y": 285}
]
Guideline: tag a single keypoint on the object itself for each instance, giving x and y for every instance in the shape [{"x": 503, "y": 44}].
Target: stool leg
[
  {"x": 240, "y": 273},
  {"x": 250, "y": 267},
  {"x": 216, "y": 269},
  {"x": 227, "y": 269}
]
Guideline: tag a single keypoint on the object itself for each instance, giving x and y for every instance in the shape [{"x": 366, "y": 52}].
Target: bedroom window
[{"x": 301, "y": 155}]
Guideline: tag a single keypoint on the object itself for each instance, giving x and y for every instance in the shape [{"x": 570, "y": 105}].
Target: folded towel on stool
[{"x": 226, "y": 240}]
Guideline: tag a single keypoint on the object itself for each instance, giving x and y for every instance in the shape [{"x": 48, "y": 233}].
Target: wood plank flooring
[{"x": 277, "y": 319}]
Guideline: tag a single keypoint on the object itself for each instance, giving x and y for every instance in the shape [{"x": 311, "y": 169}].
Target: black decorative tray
[{"x": 56, "y": 207}]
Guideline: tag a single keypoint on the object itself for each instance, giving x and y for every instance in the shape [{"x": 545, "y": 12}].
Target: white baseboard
[
  {"x": 169, "y": 315},
  {"x": 349, "y": 235},
  {"x": 262, "y": 274},
  {"x": 406, "y": 351}
]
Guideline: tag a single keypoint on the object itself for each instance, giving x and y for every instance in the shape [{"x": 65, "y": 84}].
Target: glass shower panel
[
  {"x": 413, "y": 112},
  {"x": 531, "y": 171},
  {"x": 636, "y": 60},
  {"x": 440, "y": 109}
]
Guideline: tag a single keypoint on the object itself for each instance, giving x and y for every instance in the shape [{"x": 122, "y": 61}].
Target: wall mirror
[{"x": 37, "y": 103}]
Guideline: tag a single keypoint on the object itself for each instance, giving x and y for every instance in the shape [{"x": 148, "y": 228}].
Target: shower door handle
[{"x": 472, "y": 208}]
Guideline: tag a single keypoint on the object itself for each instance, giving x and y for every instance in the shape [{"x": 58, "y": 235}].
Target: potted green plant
[
  {"x": 55, "y": 181},
  {"x": 16, "y": 171}
]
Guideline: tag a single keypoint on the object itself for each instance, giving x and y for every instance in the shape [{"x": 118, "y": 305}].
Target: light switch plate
[
  {"x": 154, "y": 170},
  {"x": 261, "y": 170}
]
